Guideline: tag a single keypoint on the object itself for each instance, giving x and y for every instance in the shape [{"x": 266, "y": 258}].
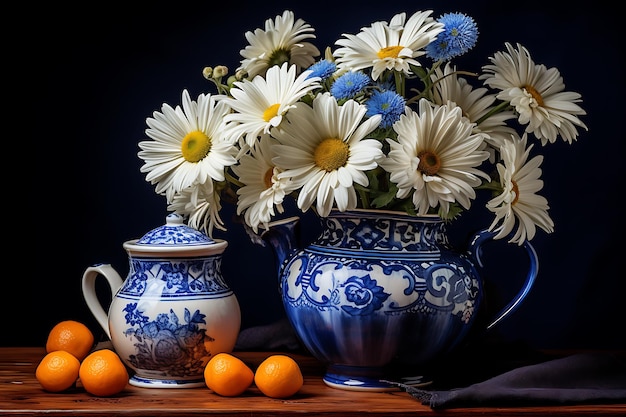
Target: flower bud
[
  {"x": 241, "y": 74},
  {"x": 231, "y": 80},
  {"x": 220, "y": 71},
  {"x": 207, "y": 72}
]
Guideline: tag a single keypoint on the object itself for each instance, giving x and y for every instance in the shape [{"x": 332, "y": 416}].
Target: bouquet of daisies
[{"x": 384, "y": 120}]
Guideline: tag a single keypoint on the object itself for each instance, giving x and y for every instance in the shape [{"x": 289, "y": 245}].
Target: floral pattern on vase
[
  {"x": 173, "y": 278},
  {"x": 165, "y": 344}
]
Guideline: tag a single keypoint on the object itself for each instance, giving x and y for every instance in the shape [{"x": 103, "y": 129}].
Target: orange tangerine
[
  {"x": 227, "y": 375},
  {"x": 71, "y": 336},
  {"x": 278, "y": 376},
  {"x": 103, "y": 373},
  {"x": 57, "y": 371}
]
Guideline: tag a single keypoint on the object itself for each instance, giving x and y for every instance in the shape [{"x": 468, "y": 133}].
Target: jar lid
[
  {"x": 174, "y": 233},
  {"x": 174, "y": 237}
]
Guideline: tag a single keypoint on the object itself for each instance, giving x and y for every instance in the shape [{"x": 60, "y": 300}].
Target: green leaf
[{"x": 454, "y": 212}]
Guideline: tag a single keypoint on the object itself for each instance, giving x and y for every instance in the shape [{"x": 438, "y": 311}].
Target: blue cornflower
[
  {"x": 349, "y": 85},
  {"x": 389, "y": 104},
  {"x": 323, "y": 69},
  {"x": 459, "y": 36}
]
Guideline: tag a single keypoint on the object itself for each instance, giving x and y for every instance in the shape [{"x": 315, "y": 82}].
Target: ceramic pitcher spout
[{"x": 281, "y": 236}]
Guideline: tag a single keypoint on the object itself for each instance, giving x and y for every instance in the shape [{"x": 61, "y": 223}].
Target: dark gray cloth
[
  {"x": 278, "y": 335},
  {"x": 579, "y": 378}
]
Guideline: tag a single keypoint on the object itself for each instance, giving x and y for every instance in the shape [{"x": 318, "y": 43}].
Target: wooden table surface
[{"x": 21, "y": 395}]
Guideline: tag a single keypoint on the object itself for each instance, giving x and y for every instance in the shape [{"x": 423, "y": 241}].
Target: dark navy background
[{"x": 96, "y": 78}]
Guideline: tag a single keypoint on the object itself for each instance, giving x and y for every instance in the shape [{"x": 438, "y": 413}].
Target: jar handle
[
  {"x": 474, "y": 251},
  {"x": 89, "y": 291}
]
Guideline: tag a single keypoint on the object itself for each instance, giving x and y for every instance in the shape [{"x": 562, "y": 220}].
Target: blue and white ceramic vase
[
  {"x": 380, "y": 290},
  {"x": 174, "y": 310}
]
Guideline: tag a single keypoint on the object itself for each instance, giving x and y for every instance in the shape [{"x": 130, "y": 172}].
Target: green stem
[
  {"x": 497, "y": 109},
  {"x": 231, "y": 179},
  {"x": 363, "y": 195},
  {"x": 400, "y": 82}
]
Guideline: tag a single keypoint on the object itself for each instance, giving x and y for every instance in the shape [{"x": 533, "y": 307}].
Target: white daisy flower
[
  {"x": 324, "y": 151},
  {"x": 518, "y": 203},
  {"x": 263, "y": 191},
  {"x": 260, "y": 104},
  {"x": 536, "y": 93},
  {"x": 388, "y": 46},
  {"x": 201, "y": 205},
  {"x": 281, "y": 41},
  {"x": 187, "y": 146},
  {"x": 434, "y": 157},
  {"x": 475, "y": 103}
]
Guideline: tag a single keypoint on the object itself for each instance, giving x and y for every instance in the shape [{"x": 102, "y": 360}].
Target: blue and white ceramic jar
[
  {"x": 173, "y": 312},
  {"x": 379, "y": 291}
]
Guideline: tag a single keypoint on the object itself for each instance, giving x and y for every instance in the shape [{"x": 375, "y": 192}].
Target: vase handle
[
  {"x": 475, "y": 248},
  {"x": 89, "y": 291}
]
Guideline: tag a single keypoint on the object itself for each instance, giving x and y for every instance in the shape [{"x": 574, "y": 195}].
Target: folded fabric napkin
[{"x": 579, "y": 378}]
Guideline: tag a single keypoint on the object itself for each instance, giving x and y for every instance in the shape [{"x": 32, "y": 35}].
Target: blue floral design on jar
[
  {"x": 364, "y": 294},
  {"x": 167, "y": 345}
]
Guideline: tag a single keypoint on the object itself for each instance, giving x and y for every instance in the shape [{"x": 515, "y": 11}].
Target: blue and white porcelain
[
  {"x": 380, "y": 291},
  {"x": 174, "y": 310}
]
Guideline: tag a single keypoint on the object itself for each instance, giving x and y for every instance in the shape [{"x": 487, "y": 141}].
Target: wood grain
[{"x": 21, "y": 395}]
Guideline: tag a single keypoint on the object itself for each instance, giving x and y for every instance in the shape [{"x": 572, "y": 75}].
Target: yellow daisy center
[
  {"x": 331, "y": 154},
  {"x": 534, "y": 93},
  {"x": 516, "y": 191},
  {"x": 390, "y": 52},
  {"x": 195, "y": 146},
  {"x": 270, "y": 112},
  {"x": 267, "y": 178},
  {"x": 429, "y": 162}
]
